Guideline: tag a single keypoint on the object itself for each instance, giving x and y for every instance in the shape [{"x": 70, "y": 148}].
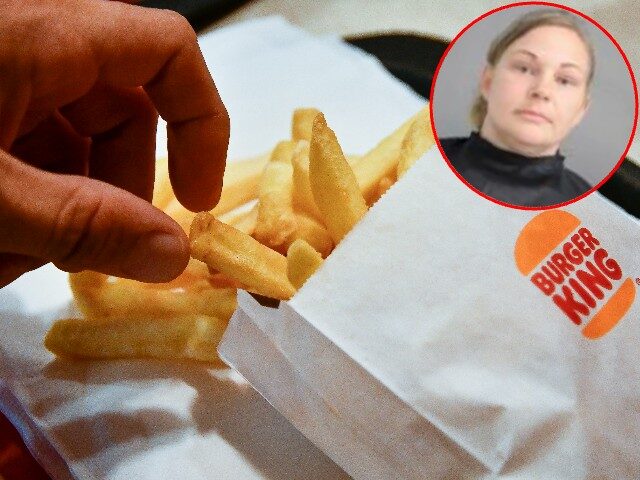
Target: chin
[{"x": 530, "y": 141}]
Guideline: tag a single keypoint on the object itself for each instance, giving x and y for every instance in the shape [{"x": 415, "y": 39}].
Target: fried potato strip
[
  {"x": 119, "y": 297},
  {"x": 257, "y": 267},
  {"x": 382, "y": 160},
  {"x": 302, "y": 262},
  {"x": 417, "y": 140},
  {"x": 333, "y": 183},
  {"x": 276, "y": 222},
  {"x": 302, "y": 123},
  {"x": 193, "y": 337}
]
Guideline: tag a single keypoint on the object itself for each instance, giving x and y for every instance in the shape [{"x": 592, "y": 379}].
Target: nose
[{"x": 541, "y": 87}]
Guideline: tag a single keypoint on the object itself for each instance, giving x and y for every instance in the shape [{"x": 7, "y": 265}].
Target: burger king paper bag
[{"x": 450, "y": 337}]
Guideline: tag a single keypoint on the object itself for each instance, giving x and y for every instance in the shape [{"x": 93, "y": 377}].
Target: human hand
[{"x": 80, "y": 83}]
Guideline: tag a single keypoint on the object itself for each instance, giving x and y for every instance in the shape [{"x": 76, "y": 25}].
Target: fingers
[
  {"x": 52, "y": 64},
  {"x": 80, "y": 223},
  {"x": 55, "y": 146},
  {"x": 122, "y": 124},
  {"x": 158, "y": 49},
  {"x": 13, "y": 266}
]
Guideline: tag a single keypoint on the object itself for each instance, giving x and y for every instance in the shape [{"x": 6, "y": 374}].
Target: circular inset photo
[{"x": 534, "y": 105}]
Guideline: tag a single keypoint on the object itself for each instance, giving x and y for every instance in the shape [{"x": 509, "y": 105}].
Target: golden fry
[
  {"x": 302, "y": 262},
  {"x": 418, "y": 139},
  {"x": 283, "y": 152},
  {"x": 193, "y": 337},
  {"x": 382, "y": 160},
  {"x": 242, "y": 219},
  {"x": 191, "y": 293},
  {"x": 333, "y": 183},
  {"x": 314, "y": 233},
  {"x": 302, "y": 123},
  {"x": 303, "y": 200},
  {"x": 239, "y": 256},
  {"x": 383, "y": 185},
  {"x": 276, "y": 222}
]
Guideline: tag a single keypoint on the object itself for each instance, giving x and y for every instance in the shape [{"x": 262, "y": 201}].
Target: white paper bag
[{"x": 429, "y": 344}]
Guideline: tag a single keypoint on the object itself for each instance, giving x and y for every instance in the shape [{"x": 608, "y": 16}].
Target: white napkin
[{"x": 152, "y": 419}]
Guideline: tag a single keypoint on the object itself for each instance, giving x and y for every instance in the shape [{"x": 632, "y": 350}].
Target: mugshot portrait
[{"x": 533, "y": 106}]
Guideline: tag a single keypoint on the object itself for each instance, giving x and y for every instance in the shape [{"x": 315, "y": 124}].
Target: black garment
[{"x": 511, "y": 177}]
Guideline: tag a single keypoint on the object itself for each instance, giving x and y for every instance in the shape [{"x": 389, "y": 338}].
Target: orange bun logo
[{"x": 568, "y": 264}]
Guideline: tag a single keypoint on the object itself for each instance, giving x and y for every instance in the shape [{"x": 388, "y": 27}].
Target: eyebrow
[{"x": 535, "y": 57}]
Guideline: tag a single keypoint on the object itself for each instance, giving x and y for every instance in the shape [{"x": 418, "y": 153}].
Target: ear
[{"x": 485, "y": 81}]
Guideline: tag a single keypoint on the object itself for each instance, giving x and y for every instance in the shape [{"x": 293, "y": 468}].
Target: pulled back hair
[{"x": 519, "y": 28}]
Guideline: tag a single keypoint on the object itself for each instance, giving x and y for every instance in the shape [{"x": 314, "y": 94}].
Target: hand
[{"x": 81, "y": 85}]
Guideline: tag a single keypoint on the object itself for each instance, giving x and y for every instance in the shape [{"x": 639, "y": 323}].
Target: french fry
[
  {"x": 276, "y": 222},
  {"x": 302, "y": 123},
  {"x": 302, "y": 262},
  {"x": 418, "y": 139},
  {"x": 333, "y": 183},
  {"x": 240, "y": 183},
  {"x": 282, "y": 152},
  {"x": 240, "y": 186},
  {"x": 239, "y": 256},
  {"x": 191, "y": 293},
  {"x": 314, "y": 233},
  {"x": 193, "y": 337},
  {"x": 242, "y": 219},
  {"x": 382, "y": 160},
  {"x": 383, "y": 185},
  {"x": 303, "y": 200}
]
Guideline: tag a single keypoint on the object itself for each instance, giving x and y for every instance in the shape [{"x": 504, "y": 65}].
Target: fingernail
[{"x": 158, "y": 257}]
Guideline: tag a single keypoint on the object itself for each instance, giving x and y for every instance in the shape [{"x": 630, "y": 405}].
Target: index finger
[{"x": 158, "y": 49}]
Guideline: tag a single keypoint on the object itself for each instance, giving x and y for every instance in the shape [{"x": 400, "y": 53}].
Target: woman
[{"x": 533, "y": 91}]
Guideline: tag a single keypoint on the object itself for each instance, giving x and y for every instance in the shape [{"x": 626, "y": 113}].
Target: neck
[{"x": 491, "y": 134}]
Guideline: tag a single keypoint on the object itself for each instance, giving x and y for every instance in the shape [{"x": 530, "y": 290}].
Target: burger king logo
[{"x": 566, "y": 261}]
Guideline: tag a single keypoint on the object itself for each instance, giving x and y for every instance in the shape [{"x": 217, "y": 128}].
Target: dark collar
[{"x": 516, "y": 167}]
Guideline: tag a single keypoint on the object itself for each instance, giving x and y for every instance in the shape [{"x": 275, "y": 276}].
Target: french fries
[
  {"x": 303, "y": 199},
  {"x": 302, "y": 262},
  {"x": 257, "y": 267},
  {"x": 382, "y": 160},
  {"x": 302, "y": 123},
  {"x": 118, "y": 297},
  {"x": 415, "y": 143},
  {"x": 193, "y": 337},
  {"x": 300, "y": 199},
  {"x": 276, "y": 222},
  {"x": 333, "y": 183}
]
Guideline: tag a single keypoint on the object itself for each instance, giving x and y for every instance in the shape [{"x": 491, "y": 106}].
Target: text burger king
[{"x": 570, "y": 265}]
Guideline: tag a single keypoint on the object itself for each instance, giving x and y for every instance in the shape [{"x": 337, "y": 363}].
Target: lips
[{"x": 533, "y": 115}]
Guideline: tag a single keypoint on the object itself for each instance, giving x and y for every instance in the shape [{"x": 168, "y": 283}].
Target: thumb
[{"x": 80, "y": 223}]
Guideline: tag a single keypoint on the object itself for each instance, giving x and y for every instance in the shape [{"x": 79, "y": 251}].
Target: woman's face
[{"x": 537, "y": 91}]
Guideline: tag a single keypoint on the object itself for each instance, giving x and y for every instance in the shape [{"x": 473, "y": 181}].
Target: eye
[{"x": 566, "y": 81}]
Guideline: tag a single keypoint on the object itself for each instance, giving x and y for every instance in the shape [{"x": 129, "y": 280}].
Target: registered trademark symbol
[{"x": 638, "y": 280}]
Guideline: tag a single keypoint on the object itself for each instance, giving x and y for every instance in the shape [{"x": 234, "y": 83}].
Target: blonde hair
[{"x": 519, "y": 28}]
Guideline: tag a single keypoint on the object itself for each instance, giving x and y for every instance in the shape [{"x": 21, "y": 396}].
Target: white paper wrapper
[
  {"x": 419, "y": 350},
  {"x": 148, "y": 420}
]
